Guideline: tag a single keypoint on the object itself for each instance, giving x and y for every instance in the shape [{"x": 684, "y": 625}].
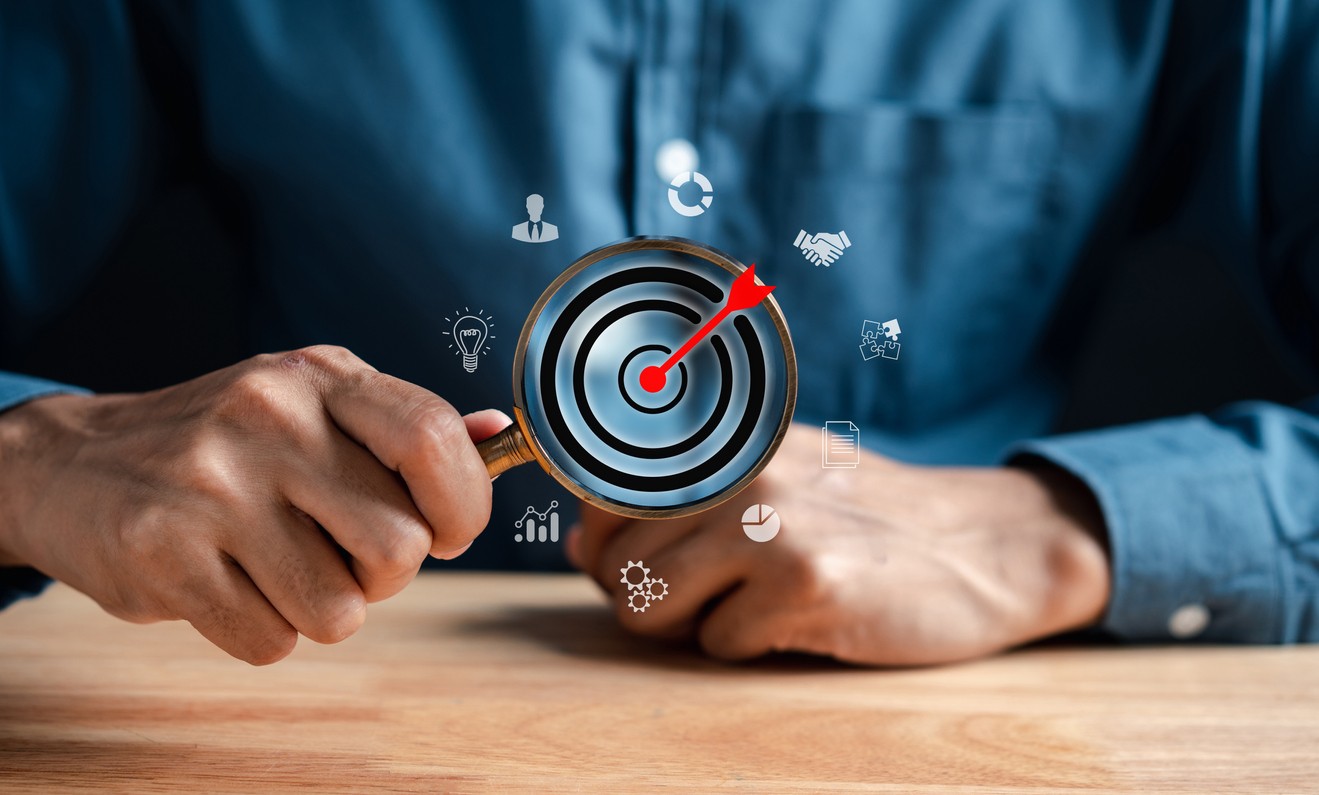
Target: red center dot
[{"x": 652, "y": 379}]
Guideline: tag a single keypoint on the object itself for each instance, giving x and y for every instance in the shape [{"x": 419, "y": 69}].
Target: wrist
[
  {"x": 1076, "y": 553},
  {"x": 28, "y": 442}
]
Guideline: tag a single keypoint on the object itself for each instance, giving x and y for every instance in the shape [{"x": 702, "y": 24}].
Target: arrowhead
[{"x": 746, "y": 292}]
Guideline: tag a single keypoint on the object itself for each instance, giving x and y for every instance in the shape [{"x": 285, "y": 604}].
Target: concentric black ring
[
  {"x": 622, "y": 385},
  {"x": 598, "y": 428},
  {"x": 558, "y": 333}
]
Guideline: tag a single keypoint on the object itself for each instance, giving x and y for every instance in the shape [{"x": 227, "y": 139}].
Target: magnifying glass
[{"x": 654, "y": 378}]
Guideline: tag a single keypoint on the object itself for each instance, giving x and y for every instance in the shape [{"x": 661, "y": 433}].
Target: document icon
[{"x": 840, "y": 445}]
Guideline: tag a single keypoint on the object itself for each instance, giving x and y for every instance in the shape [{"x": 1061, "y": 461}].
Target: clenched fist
[
  {"x": 887, "y": 564},
  {"x": 275, "y": 497}
]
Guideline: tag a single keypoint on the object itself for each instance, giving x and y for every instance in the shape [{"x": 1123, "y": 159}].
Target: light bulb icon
[{"x": 470, "y": 333}]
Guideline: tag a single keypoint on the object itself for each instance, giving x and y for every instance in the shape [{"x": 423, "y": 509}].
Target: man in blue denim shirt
[{"x": 974, "y": 152}]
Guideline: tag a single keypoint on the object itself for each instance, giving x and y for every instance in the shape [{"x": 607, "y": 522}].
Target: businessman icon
[{"x": 535, "y": 230}]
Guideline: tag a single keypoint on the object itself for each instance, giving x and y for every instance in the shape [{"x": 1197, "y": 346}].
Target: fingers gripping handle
[{"x": 505, "y": 450}]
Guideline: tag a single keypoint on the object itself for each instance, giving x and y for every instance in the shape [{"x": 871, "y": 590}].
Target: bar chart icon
[
  {"x": 840, "y": 445},
  {"x": 537, "y": 525}
]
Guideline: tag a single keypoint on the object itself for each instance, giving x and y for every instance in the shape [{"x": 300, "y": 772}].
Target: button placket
[{"x": 668, "y": 67}]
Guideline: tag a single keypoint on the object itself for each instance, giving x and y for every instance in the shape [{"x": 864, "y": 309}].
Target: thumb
[{"x": 481, "y": 425}]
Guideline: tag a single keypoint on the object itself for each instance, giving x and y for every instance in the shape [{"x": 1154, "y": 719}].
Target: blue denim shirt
[{"x": 973, "y": 151}]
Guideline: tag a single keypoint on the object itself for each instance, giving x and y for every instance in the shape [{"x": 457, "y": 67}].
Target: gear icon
[
  {"x": 633, "y": 582},
  {"x": 657, "y": 589},
  {"x": 638, "y": 601}
]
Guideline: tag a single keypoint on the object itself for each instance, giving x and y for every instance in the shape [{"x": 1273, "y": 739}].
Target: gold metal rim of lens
[{"x": 517, "y": 444}]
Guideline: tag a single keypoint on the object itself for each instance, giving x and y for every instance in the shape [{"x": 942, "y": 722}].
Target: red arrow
[{"x": 744, "y": 294}]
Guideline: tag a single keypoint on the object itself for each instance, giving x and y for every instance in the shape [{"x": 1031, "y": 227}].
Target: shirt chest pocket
[{"x": 947, "y": 212}]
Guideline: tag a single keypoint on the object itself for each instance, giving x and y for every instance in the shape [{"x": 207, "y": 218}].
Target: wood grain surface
[{"x": 469, "y": 682}]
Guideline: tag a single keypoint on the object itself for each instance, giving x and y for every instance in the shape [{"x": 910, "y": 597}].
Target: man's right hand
[{"x": 275, "y": 497}]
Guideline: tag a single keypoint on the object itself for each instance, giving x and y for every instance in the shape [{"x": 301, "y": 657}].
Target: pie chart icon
[{"x": 760, "y": 523}]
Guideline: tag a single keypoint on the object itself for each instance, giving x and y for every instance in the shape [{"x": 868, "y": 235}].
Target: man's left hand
[{"x": 885, "y": 564}]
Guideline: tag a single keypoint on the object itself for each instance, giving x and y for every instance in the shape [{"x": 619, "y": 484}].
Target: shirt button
[
  {"x": 1188, "y": 621},
  {"x": 674, "y": 157}
]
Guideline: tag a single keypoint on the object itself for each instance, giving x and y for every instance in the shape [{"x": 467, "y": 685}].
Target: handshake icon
[{"x": 823, "y": 247}]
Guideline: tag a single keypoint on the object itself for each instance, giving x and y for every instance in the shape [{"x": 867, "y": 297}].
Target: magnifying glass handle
[{"x": 505, "y": 450}]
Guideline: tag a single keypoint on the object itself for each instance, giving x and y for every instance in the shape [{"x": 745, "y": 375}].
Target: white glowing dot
[{"x": 675, "y": 156}]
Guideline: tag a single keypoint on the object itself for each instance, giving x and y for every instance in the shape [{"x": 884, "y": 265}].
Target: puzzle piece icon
[{"x": 873, "y": 343}]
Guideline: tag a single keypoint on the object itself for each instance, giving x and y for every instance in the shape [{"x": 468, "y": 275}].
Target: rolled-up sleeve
[
  {"x": 18, "y": 582},
  {"x": 1213, "y": 522}
]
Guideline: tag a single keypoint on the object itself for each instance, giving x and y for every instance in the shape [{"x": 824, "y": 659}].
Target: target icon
[{"x": 655, "y": 377}]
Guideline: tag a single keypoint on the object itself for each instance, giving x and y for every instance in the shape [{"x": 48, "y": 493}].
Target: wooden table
[{"x": 524, "y": 683}]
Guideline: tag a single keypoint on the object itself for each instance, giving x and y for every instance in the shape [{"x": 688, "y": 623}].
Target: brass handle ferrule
[{"x": 505, "y": 450}]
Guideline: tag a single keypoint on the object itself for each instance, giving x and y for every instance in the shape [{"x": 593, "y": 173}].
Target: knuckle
[
  {"x": 214, "y": 482},
  {"x": 343, "y": 616},
  {"x": 813, "y": 582},
  {"x": 715, "y": 641},
  {"x": 265, "y": 361},
  {"x": 398, "y": 552},
  {"x": 405, "y": 548},
  {"x": 331, "y": 612},
  {"x": 804, "y": 575},
  {"x": 327, "y": 367},
  {"x": 443, "y": 446},
  {"x": 440, "y": 433},
  {"x": 133, "y": 609},
  {"x": 255, "y": 393},
  {"x": 271, "y": 646},
  {"x": 458, "y": 531},
  {"x": 150, "y": 540},
  {"x": 332, "y": 359}
]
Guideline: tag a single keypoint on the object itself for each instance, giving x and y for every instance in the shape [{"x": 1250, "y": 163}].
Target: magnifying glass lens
[{"x": 640, "y": 387}]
